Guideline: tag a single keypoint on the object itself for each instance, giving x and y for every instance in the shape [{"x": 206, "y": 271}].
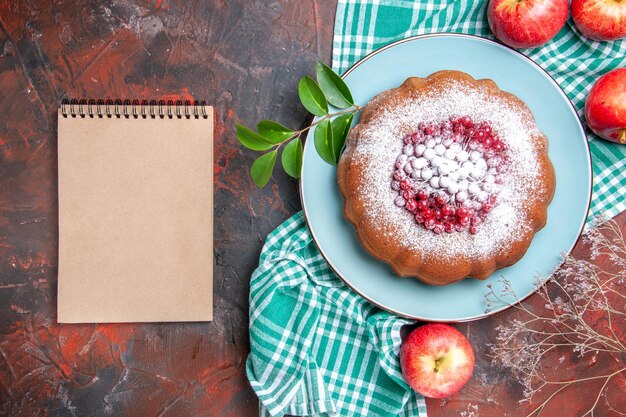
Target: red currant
[
  {"x": 438, "y": 228},
  {"x": 422, "y": 205},
  {"x": 411, "y": 205},
  {"x": 429, "y": 223},
  {"x": 487, "y": 207},
  {"x": 463, "y": 212},
  {"x": 408, "y": 194},
  {"x": 430, "y": 130},
  {"x": 442, "y": 198},
  {"x": 417, "y": 137},
  {"x": 399, "y": 175},
  {"x": 473, "y": 229},
  {"x": 467, "y": 121},
  {"x": 422, "y": 195},
  {"x": 449, "y": 227},
  {"x": 447, "y": 210},
  {"x": 406, "y": 185}
]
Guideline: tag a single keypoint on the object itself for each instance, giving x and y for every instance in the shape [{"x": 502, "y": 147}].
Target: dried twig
[{"x": 585, "y": 310}]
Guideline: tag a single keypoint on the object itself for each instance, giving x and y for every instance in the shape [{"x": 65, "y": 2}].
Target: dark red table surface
[{"x": 245, "y": 58}]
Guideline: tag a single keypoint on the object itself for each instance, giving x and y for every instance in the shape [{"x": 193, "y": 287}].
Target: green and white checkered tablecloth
[{"x": 317, "y": 348}]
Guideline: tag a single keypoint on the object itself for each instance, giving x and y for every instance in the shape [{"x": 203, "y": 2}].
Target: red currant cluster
[
  {"x": 478, "y": 137},
  {"x": 437, "y": 213},
  {"x": 461, "y": 130},
  {"x": 449, "y": 174}
]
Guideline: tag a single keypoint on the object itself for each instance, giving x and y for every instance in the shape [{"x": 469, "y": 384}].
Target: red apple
[
  {"x": 437, "y": 360},
  {"x": 526, "y": 23},
  {"x": 605, "y": 109},
  {"x": 602, "y": 20}
]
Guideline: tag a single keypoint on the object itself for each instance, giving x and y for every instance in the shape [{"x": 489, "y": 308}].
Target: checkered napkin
[{"x": 317, "y": 348}]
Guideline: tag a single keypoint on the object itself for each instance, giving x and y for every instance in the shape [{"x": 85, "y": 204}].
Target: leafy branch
[{"x": 329, "y": 137}]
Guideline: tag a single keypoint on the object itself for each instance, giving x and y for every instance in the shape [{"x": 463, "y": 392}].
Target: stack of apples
[{"x": 532, "y": 23}]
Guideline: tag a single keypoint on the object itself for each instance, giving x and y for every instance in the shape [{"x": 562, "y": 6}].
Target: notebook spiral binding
[{"x": 134, "y": 108}]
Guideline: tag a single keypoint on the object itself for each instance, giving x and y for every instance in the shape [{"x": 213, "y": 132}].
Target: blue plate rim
[{"x": 579, "y": 125}]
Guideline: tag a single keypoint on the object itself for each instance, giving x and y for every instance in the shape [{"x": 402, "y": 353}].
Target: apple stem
[
  {"x": 437, "y": 364},
  {"x": 622, "y": 136}
]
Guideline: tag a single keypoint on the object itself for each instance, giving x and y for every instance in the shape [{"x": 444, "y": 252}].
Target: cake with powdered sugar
[{"x": 446, "y": 177}]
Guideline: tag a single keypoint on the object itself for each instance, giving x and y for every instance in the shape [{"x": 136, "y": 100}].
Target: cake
[{"x": 446, "y": 177}]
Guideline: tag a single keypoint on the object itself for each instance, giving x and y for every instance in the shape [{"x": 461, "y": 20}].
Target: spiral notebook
[{"x": 135, "y": 211}]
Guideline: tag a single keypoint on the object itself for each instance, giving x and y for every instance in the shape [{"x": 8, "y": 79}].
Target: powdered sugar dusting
[{"x": 380, "y": 142}]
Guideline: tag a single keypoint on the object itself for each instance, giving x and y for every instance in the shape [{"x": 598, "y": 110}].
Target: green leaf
[
  {"x": 341, "y": 126},
  {"x": 312, "y": 97},
  {"x": 334, "y": 88},
  {"x": 273, "y": 132},
  {"x": 323, "y": 139},
  {"x": 292, "y": 158},
  {"x": 262, "y": 168},
  {"x": 251, "y": 139}
]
